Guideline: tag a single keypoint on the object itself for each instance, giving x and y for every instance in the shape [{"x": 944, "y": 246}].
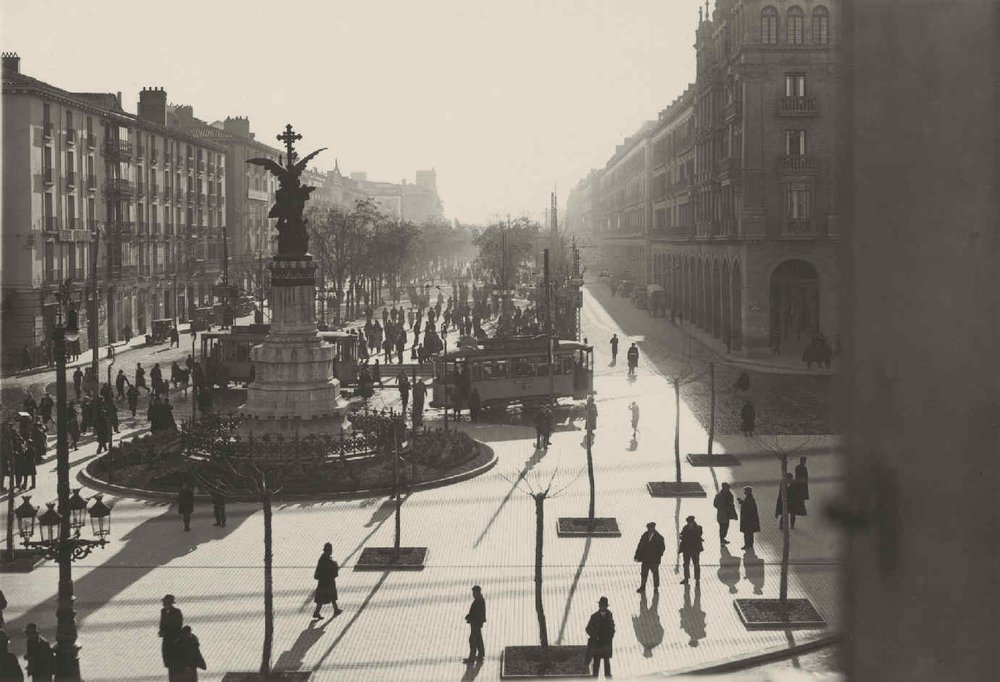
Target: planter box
[
  {"x": 580, "y": 527},
  {"x": 671, "y": 489},
  {"x": 385, "y": 559},
  {"x": 726, "y": 460},
  {"x": 530, "y": 662},
  {"x": 770, "y": 614},
  {"x": 296, "y": 676}
]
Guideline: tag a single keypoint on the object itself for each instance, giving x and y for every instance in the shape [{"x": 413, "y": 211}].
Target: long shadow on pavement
[
  {"x": 354, "y": 618},
  {"x": 572, "y": 589},
  {"x": 292, "y": 658},
  {"x": 535, "y": 458}
]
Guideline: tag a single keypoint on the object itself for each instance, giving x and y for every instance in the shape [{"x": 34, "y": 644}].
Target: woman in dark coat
[
  {"x": 796, "y": 505},
  {"x": 325, "y": 576},
  {"x": 102, "y": 427},
  {"x": 749, "y": 518},
  {"x": 185, "y": 504},
  {"x": 24, "y": 464},
  {"x": 38, "y": 442},
  {"x": 187, "y": 656}
]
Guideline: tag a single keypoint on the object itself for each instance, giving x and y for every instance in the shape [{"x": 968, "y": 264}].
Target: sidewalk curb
[
  {"x": 90, "y": 481},
  {"x": 742, "y": 663}
]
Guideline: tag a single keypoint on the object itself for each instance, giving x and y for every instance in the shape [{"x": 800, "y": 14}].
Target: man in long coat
[
  {"x": 185, "y": 504},
  {"x": 475, "y": 618},
  {"x": 690, "y": 546},
  {"x": 648, "y": 553},
  {"x": 325, "y": 576},
  {"x": 802, "y": 478},
  {"x": 38, "y": 654},
  {"x": 601, "y": 631},
  {"x": 171, "y": 622},
  {"x": 749, "y": 518},
  {"x": 725, "y": 511},
  {"x": 419, "y": 392},
  {"x": 403, "y": 382},
  {"x": 796, "y": 505}
]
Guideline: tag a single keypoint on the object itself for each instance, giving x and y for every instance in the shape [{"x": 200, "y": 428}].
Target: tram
[
  {"x": 225, "y": 355},
  {"x": 513, "y": 370}
]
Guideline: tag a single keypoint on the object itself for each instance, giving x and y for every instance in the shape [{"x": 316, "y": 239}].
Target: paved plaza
[{"x": 410, "y": 626}]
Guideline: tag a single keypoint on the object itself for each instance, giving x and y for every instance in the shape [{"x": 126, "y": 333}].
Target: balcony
[
  {"x": 70, "y": 179},
  {"x": 733, "y": 110},
  {"x": 118, "y": 148},
  {"x": 91, "y": 140},
  {"x": 122, "y": 228},
  {"x": 73, "y": 224},
  {"x": 798, "y": 227},
  {"x": 91, "y": 183},
  {"x": 119, "y": 186},
  {"x": 797, "y": 106},
  {"x": 123, "y": 271},
  {"x": 797, "y": 163},
  {"x": 52, "y": 223},
  {"x": 70, "y": 136}
]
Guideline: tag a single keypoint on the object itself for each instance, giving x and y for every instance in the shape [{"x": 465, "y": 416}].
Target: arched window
[
  {"x": 796, "y": 25},
  {"x": 821, "y": 26},
  {"x": 769, "y": 26}
]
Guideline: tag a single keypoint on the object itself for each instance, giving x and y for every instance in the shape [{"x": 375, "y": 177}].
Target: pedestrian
[
  {"x": 377, "y": 373},
  {"x": 748, "y": 418},
  {"x": 634, "y": 408},
  {"x": 633, "y": 359},
  {"x": 26, "y": 359},
  {"x": 648, "y": 553},
  {"x": 796, "y": 504},
  {"x": 185, "y": 503},
  {"x": 600, "y": 635},
  {"x": 403, "y": 383},
  {"x": 73, "y": 424},
  {"x": 171, "y": 622},
  {"x": 45, "y": 406},
  {"x": 132, "y": 396},
  {"x": 3, "y": 605},
  {"x": 10, "y": 668},
  {"x": 77, "y": 382},
  {"x": 140, "y": 377},
  {"x": 475, "y": 618},
  {"x": 219, "y": 507},
  {"x": 475, "y": 405},
  {"x": 691, "y": 545},
  {"x": 175, "y": 338},
  {"x": 742, "y": 381},
  {"x": 540, "y": 440},
  {"x": 127, "y": 333},
  {"x": 614, "y": 349},
  {"x": 419, "y": 392},
  {"x": 725, "y": 511},
  {"x": 749, "y": 519},
  {"x": 39, "y": 655},
  {"x": 802, "y": 478},
  {"x": 325, "y": 576},
  {"x": 187, "y": 656},
  {"x": 156, "y": 376},
  {"x": 102, "y": 429},
  {"x": 120, "y": 381}
]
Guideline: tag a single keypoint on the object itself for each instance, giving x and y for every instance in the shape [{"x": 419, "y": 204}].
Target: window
[
  {"x": 797, "y": 201},
  {"x": 795, "y": 85},
  {"x": 821, "y": 26},
  {"x": 90, "y": 125},
  {"x": 522, "y": 367},
  {"x": 796, "y": 25},
  {"x": 69, "y": 120},
  {"x": 795, "y": 142},
  {"x": 769, "y": 26}
]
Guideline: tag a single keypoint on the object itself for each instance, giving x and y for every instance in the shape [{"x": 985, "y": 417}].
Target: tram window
[
  {"x": 542, "y": 367},
  {"x": 522, "y": 367},
  {"x": 477, "y": 371},
  {"x": 496, "y": 369}
]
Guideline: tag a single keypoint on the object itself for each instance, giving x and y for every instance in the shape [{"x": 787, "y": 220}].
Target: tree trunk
[
  {"x": 543, "y": 634},
  {"x": 265, "y": 661},
  {"x": 711, "y": 416},
  {"x": 395, "y": 475},
  {"x": 590, "y": 475},
  {"x": 10, "y": 504},
  {"x": 785, "y": 532},
  {"x": 677, "y": 427}
]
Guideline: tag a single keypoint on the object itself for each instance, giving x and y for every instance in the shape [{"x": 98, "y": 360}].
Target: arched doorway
[{"x": 794, "y": 305}]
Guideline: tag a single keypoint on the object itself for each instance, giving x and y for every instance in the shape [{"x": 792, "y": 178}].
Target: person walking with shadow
[
  {"x": 601, "y": 634},
  {"x": 219, "y": 507},
  {"x": 325, "y": 576},
  {"x": 725, "y": 508},
  {"x": 748, "y": 418},
  {"x": 171, "y": 622},
  {"x": 749, "y": 518},
  {"x": 648, "y": 553},
  {"x": 403, "y": 382},
  {"x": 633, "y": 359},
  {"x": 796, "y": 505},
  {"x": 634, "y": 408},
  {"x": 690, "y": 547},
  {"x": 802, "y": 479},
  {"x": 692, "y": 617},
  {"x": 185, "y": 504},
  {"x": 647, "y": 625},
  {"x": 475, "y": 618},
  {"x": 614, "y": 349}
]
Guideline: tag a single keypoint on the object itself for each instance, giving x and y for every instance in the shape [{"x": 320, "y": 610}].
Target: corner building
[{"x": 743, "y": 174}]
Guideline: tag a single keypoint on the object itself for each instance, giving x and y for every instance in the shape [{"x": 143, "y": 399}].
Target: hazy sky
[{"x": 505, "y": 98}]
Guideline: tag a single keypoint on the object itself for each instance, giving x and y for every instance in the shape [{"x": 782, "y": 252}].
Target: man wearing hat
[
  {"x": 690, "y": 546},
  {"x": 39, "y": 655},
  {"x": 749, "y": 519},
  {"x": 171, "y": 622},
  {"x": 475, "y": 618},
  {"x": 648, "y": 553},
  {"x": 601, "y": 632}
]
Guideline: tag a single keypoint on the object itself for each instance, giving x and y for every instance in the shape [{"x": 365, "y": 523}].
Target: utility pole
[
  {"x": 94, "y": 330},
  {"x": 550, "y": 342}
]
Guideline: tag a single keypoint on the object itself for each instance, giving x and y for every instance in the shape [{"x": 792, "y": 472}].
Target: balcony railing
[
  {"x": 52, "y": 223},
  {"x": 118, "y": 147},
  {"x": 797, "y": 162},
  {"x": 799, "y": 227},
  {"x": 91, "y": 140},
  {"x": 797, "y": 106},
  {"x": 70, "y": 179},
  {"x": 119, "y": 186},
  {"x": 73, "y": 224},
  {"x": 71, "y": 136},
  {"x": 91, "y": 182}
]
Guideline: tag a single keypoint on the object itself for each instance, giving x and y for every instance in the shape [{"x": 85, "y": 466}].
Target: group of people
[
  {"x": 179, "y": 647},
  {"x": 631, "y": 355},
  {"x": 24, "y": 444}
]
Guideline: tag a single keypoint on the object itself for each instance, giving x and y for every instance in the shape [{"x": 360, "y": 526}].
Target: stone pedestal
[{"x": 294, "y": 392}]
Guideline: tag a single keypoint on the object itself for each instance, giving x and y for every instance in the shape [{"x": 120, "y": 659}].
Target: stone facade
[{"x": 735, "y": 212}]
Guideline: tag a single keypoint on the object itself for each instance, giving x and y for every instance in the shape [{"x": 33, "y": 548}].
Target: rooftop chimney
[
  {"x": 237, "y": 125},
  {"x": 12, "y": 61},
  {"x": 153, "y": 105}
]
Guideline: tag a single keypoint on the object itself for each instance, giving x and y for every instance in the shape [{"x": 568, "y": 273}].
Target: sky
[{"x": 507, "y": 99}]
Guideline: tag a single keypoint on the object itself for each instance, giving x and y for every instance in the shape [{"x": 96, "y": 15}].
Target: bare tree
[{"x": 783, "y": 447}]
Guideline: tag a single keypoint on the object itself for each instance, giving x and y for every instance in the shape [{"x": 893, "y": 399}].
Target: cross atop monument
[{"x": 289, "y": 137}]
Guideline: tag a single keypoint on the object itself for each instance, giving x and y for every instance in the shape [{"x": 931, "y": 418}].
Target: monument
[{"x": 294, "y": 392}]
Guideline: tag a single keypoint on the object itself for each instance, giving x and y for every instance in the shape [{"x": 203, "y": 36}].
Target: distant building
[
  {"x": 78, "y": 167},
  {"x": 728, "y": 200},
  {"x": 415, "y": 202}
]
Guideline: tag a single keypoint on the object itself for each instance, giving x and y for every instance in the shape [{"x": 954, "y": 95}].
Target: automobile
[
  {"x": 160, "y": 331},
  {"x": 625, "y": 288}
]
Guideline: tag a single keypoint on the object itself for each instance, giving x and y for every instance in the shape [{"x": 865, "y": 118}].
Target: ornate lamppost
[{"x": 60, "y": 529}]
